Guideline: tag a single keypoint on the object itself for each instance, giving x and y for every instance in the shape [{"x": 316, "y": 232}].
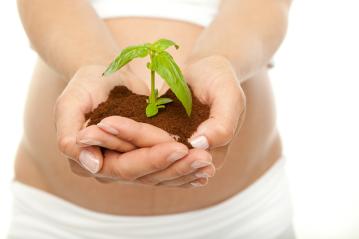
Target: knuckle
[
  {"x": 123, "y": 173},
  {"x": 125, "y": 147},
  {"x": 179, "y": 171},
  {"x": 120, "y": 169},
  {"x": 137, "y": 129},
  {"x": 156, "y": 164},
  {"x": 65, "y": 143}
]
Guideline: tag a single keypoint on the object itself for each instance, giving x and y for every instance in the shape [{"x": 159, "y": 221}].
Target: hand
[
  {"x": 214, "y": 82},
  {"x": 152, "y": 164},
  {"x": 83, "y": 93},
  {"x": 157, "y": 161}
]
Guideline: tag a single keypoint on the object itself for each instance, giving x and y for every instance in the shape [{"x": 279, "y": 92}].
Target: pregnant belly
[{"x": 40, "y": 164}]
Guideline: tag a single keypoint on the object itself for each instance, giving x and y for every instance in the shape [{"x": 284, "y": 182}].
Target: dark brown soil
[{"x": 172, "y": 119}]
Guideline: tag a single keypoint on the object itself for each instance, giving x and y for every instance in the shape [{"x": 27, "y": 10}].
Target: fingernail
[
  {"x": 199, "y": 164},
  {"x": 176, "y": 156},
  {"x": 90, "y": 142},
  {"x": 202, "y": 175},
  {"x": 197, "y": 184},
  {"x": 199, "y": 142},
  {"x": 108, "y": 128},
  {"x": 89, "y": 161}
]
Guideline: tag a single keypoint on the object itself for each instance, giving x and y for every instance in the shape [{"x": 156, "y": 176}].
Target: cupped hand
[
  {"x": 83, "y": 93},
  {"x": 215, "y": 83},
  {"x": 159, "y": 161},
  {"x": 143, "y": 153}
]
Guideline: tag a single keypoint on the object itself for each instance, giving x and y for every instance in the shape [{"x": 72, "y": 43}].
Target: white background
[{"x": 316, "y": 83}]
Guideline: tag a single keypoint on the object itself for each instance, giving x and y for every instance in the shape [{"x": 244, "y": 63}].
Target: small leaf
[
  {"x": 126, "y": 55},
  {"x": 161, "y": 106},
  {"x": 156, "y": 93},
  {"x": 167, "y": 68},
  {"x": 162, "y": 101},
  {"x": 162, "y": 44},
  {"x": 151, "y": 110}
]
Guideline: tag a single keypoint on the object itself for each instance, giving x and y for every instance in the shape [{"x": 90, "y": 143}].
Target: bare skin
[{"x": 40, "y": 163}]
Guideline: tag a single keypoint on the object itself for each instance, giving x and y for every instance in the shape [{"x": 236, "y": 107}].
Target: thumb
[
  {"x": 226, "y": 114},
  {"x": 69, "y": 119}
]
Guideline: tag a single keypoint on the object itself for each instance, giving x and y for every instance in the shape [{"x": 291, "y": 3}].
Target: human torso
[{"x": 40, "y": 164}]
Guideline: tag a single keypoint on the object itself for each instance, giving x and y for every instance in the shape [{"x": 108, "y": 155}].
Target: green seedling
[{"x": 162, "y": 63}]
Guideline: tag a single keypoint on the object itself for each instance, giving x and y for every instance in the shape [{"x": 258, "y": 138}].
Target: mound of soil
[{"x": 172, "y": 119}]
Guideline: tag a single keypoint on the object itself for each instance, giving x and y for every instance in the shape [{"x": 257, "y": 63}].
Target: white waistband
[
  {"x": 263, "y": 210},
  {"x": 200, "y": 12}
]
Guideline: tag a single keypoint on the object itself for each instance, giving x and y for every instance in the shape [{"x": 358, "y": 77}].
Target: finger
[
  {"x": 136, "y": 133},
  {"x": 202, "y": 173},
  {"x": 139, "y": 162},
  {"x": 227, "y": 105},
  {"x": 90, "y": 158},
  {"x": 93, "y": 135},
  {"x": 195, "y": 160}
]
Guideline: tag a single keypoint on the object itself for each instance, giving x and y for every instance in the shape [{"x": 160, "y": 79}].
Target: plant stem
[{"x": 152, "y": 98}]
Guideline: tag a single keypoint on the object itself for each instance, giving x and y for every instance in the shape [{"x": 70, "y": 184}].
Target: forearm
[
  {"x": 246, "y": 32},
  {"x": 67, "y": 34}
]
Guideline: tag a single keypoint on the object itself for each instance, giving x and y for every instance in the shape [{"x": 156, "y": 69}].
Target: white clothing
[
  {"x": 262, "y": 211},
  {"x": 200, "y": 12}
]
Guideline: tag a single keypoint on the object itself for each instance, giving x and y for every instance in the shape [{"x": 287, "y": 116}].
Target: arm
[
  {"x": 67, "y": 34},
  {"x": 240, "y": 42},
  {"x": 246, "y": 32}
]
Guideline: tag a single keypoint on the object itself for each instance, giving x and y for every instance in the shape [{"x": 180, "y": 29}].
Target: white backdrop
[{"x": 316, "y": 83}]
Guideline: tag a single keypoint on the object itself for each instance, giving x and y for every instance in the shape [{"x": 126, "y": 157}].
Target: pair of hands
[{"x": 141, "y": 153}]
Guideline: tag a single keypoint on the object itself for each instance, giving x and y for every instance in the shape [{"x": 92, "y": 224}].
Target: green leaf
[
  {"x": 126, "y": 55},
  {"x": 167, "y": 68},
  {"x": 151, "y": 110},
  {"x": 162, "y": 44},
  {"x": 156, "y": 93},
  {"x": 162, "y": 101}
]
